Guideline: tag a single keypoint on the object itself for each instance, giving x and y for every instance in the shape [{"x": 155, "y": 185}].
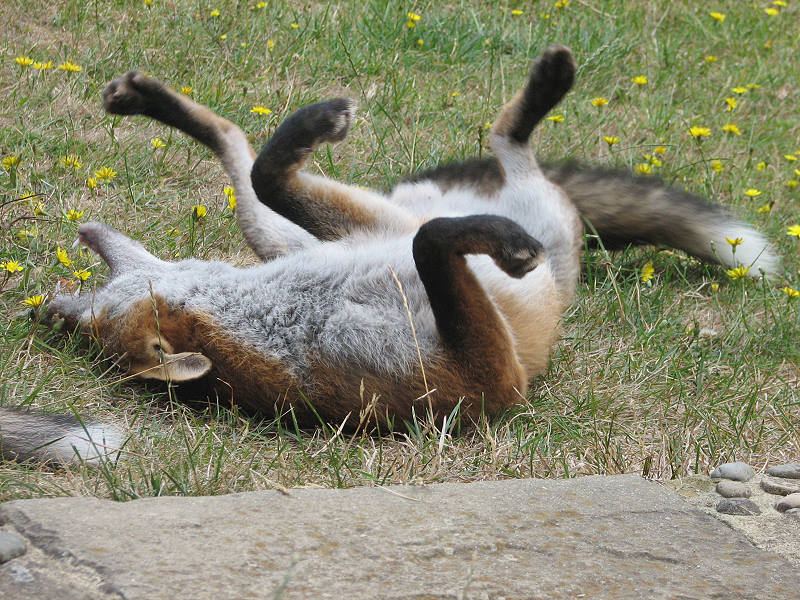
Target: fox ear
[{"x": 184, "y": 366}]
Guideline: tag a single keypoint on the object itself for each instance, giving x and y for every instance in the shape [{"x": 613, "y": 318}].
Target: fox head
[{"x": 131, "y": 314}]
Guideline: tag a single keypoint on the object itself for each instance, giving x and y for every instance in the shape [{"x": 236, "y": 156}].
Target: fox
[{"x": 443, "y": 295}]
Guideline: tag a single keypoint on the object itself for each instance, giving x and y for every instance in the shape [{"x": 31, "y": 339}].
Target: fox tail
[
  {"x": 55, "y": 438},
  {"x": 624, "y": 209}
]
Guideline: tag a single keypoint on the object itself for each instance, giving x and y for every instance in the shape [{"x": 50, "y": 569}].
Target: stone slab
[{"x": 594, "y": 537}]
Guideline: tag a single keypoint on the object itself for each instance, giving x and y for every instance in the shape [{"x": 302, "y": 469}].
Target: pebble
[
  {"x": 788, "y": 502},
  {"x": 11, "y": 546},
  {"x": 733, "y": 489},
  {"x": 779, "y": 487},
  {"x": 738, "y": 506},
  {"x": 789, "y": 471},
  {"x": 737, "y": 471}
]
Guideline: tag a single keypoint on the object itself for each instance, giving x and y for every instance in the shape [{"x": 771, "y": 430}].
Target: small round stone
[
  {"x": 733, "y": 489},
  {"x": 780, "y": 487},
  {"x": 788, "y": 502},
  {"x": 789, "y": 470},
  {"x": 11, "y": 546},
  {"x": 738, "y": 506},
  {"x": 737, "y": 471}
]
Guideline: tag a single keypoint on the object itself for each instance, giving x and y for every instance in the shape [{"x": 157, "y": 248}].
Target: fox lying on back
[{"x": 449, "y": 291}]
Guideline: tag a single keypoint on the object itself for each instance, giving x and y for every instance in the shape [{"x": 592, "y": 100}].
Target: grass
[{"x": 662, "y": 378}]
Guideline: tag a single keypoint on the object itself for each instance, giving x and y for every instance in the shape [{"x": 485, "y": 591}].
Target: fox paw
[
  {"x": 130, "y": 94},
  {"x": 518, "y": 260},
  {"x": 326, "y": 121},
  {"x": 555, "y": 69}
]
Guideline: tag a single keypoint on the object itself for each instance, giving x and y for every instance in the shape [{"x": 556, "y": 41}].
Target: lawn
[{"x": 663, "y": 375}]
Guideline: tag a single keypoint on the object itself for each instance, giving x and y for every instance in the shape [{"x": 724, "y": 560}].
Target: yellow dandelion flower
[
  {"x": 10, "y": 161},
  {"x": 230, "y": 193},
  {"x": 224, "y": 36},
  {"x": 420, "y": 42},
  {"x": 610, "y": 140},
  {"x": 771, "y": 11},
  {"x": 456, "y": 94},
  {"x": 711, "y": 58},
  {"x": 261, "y": 5},
  {"x": 517, "y": 12},
  {"x": 717, "y": 16},
  {"x": 739, "y": 90},
  {"x": 174, "y": 232},
  {"x": 716, "y": 165},
  {"x": 38, "y": 209},
  {"x": 69, "y": 67},
  {"x": 43, "y": 66},
  {"x": 556, "y": 118},
  {"x": 74, "y": 215},
  {"x": 764, "y": 209},
  {"x": 270, "y": 44},
  {"x": 24, "y": 61},
  {"x": 561, "y": 4},
  {"x": 662, "y": 150},
  {"x": 260, "y": 109},
  {"x": 105, "y": 173},
  {"x": 199, "y": 211},
  {"x": 639, "y": 80},
  {"x": 738, "y": 272},
  {"x": 91, "y": 183},
  {"x": 715, "y": 287},
  {"x": 655, "y": 161},
  {"x": 733, "y": 241},
  {"x": 752, "y": 193},
  {"x": 791, "y": 292},
  {"x": 157, "y": 143},
  {"x": 11, "y": 266},
  {"x": 213, "y": 13},
  {"x": 82, "y": 274},
  {"x": 599, "y": 101},
  {"x": 148, "y": 2},
  {"x": 647, "y": 272},
  {"x": 790, "y": 157},
  {"x": 792, "y": 183},
  {"x": 26, "y": 234},
  {"x": 797, "y": 172},
  {"x": 780, "y": 3},
  {"x": 793, "y": 230},
  {"x": 294, "y": 25},
  {"x": 63, "y": 257},
  {"x": 731, "y": 102},
  {"x": 761, "y": 166},
  {"x": 643, "y": 169},
  {"x": 187, "y": 90},
  {"x": 753, "y": 86},
  {"x": 71, "y": 160},
  {"x": 698, "y": 132},
  {"x": 731, "y": 128},
  {"x": 33, "y": 301}
]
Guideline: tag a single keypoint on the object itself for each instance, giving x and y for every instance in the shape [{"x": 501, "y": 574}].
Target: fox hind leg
[{"x": 326, "y": 208}]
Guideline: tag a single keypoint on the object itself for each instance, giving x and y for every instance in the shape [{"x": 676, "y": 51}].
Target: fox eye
[{"x": 157, "y": 347}]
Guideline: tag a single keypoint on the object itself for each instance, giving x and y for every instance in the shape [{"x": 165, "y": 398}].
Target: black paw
[
  {"x": 519, "y": 254},
  {"x": 326, "y": 121},
  {"x": 554, "y": 69},
  {"x": 130, "y": 94}
]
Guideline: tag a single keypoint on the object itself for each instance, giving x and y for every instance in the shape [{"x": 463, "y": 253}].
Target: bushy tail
[
  {"x": 626, "y": 209},
  {"x": 55, "y": 438}
]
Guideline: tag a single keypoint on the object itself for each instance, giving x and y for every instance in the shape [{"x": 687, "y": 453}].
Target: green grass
[{"x": 663, "y": 379}]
